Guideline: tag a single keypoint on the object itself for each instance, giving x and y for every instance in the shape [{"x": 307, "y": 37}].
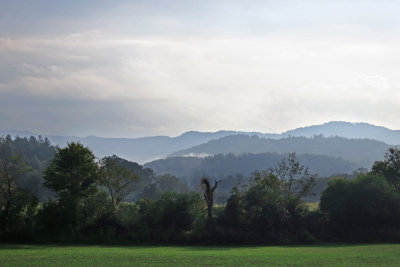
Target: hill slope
[
  {"x": 348, "y": 130},
  {"x": 363, "y": 152},
  {"x": 224, "y": 165},
  {"x": 140, "y": 150},
  {"x": 150, "y": 148}
]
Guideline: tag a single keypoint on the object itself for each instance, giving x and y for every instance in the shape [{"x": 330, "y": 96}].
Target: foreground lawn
[{"x": 322, "y": 255}]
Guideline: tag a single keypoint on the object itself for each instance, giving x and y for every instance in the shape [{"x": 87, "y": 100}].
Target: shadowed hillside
[
  {"x": 146, "y": 149},
  {"x": 225, "y": 165},
  {"x": 348, "y": 130},
  {"x": 363, "y": 152}
]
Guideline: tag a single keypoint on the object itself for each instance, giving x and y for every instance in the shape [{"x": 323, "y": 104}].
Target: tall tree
[
  {"x": 365, "y": 208},
  {"x": 296, "y": 180},
  {"x": 12, "y": 167},
  {"x": 73, "y": 175},
  {"x": 270, "y": 206},
  {"x": 389, "y": 168},
  {"x": 118, "y": 180}
]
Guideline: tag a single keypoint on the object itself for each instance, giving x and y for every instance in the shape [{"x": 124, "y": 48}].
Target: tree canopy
[
  {"x": 117, "y": 179},
  {"x": 73, "y": 173},
  {"x": 389, "y": 168}
]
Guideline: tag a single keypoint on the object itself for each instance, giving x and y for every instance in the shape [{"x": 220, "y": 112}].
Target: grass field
[{"x": 321, "y": 255}]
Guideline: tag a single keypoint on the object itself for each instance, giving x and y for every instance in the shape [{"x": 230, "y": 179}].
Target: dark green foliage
[
  {"x": 59, "y": 221},
  {"x": 16, "y": 205},
  {"x": 168, "y": 219},
  {"x": 101, "y": 222},
  {"x": 52, "y": 221},
  {"x": 295, "y": 180},
  {"x": 267, "y": 208},
  {"x": 270, "y": 208},
  {"x": 37, "y": 154},
  {"x": 118, "y": 180},
  {"x": 35, "y": 148},
  {"x": 146, "y": 178},
  {"x": 367, "y": 208},
  {"x": 236, "y": 170},
  {"x": 389, "y": 168},
  {"x": 146, "y": 174},
  {"x": 73, "y": 175},
  {"x": 263, "y": 214},
  {"x": 20, "y": 223}
]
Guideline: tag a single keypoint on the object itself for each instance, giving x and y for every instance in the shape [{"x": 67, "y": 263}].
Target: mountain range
[
  {"x": 363, "y": 152},
  {"x": 358, "y": 143}
]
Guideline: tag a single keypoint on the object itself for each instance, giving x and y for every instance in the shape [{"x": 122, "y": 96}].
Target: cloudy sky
[{"x": 139, "y": 68}]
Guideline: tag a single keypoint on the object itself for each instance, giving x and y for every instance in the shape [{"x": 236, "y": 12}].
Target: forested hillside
[
  {"x": 35, "y": 154},
  {"x": 140, "y": 150},
  {"x": 348, "y": 130},
  {"x": 224, "y": 165},
  {"x": 362, "y": 152},
  {"x": 147, "y": 149}
]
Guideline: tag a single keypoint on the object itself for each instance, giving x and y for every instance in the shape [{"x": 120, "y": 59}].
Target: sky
[{"x": 142, "y": 68}]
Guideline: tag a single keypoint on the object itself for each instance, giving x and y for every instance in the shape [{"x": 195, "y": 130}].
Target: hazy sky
[{"x": 137, "y": 68}]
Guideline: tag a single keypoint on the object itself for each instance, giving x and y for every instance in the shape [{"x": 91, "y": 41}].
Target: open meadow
[{"x": 312, "y": 255}]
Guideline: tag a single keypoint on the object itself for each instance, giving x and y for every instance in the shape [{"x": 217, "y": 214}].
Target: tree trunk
[
  {"x": 209, "y": 195},
  {"x": 209, "y": 209}
]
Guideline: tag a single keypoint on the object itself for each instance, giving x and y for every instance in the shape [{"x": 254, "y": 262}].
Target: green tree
[
  {"x": 366, "y": 208},
  {"x": 73, "y": 175},
  {"x": 389, "y": 168},
  {"x": 270, "y": 207},
  {"x": 35, "y": 153},
  {"x": 118, "y": 180},
  {"x": 12, "y": 167},
  {"x": 169, "y": 218},
  {"x": 296, "y": 180}
]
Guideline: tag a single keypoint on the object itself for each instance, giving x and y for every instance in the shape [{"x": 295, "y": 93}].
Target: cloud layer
[{"x": 135, "y": 69}]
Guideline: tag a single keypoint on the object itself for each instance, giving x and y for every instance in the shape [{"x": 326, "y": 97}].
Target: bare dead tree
[{"x": 209, "y": 194}]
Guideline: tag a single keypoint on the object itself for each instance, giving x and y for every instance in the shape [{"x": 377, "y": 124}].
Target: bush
[
  {"x": 57, "y": 221},
  {"x": 168, "y": 219},
  {"x": 20, "y": 224},
  {"x": 262, "y": 213},
  {"x": 362, "y": 209}
]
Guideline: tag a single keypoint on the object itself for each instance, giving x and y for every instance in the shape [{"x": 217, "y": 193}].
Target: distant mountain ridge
[
  {"x": 349, "y": 130},
  {"x": 146, "y": 149},
  {"x": 363, "y": 152},
  {"x": 141, "y": 150}
]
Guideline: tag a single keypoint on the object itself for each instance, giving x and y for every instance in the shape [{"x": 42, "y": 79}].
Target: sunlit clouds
[{"x": 135, "y": 69}]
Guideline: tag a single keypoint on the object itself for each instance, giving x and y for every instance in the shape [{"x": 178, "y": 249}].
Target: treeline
[
  {"x": 221, "y": 165},
  {"x": 112, "y": 200}
]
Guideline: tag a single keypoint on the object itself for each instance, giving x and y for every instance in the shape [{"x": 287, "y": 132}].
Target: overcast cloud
[{"x": 138, "y": 68}]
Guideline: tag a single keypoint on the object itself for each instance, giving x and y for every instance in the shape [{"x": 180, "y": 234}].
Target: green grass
[
  {"x": 312, "y": 206},
  {"x": 321, "y": 255}
]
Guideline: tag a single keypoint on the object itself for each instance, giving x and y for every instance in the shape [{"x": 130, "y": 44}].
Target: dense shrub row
[{"x": 86, "y": 205}]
